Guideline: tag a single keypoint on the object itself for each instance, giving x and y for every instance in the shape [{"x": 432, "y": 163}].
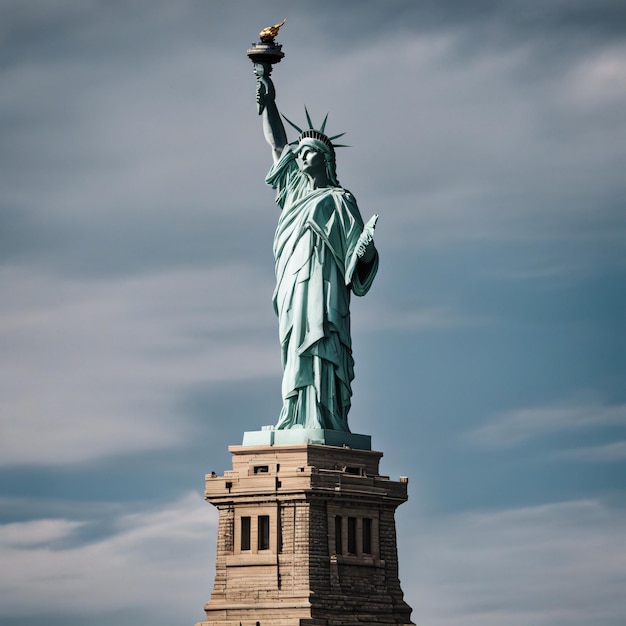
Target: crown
[{"x": 313, "y": 133}]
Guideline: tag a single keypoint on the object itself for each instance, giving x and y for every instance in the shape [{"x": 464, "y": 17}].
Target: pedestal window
[
  {"x": 245, "y": 533},
  {"x": 354, "y": 536},
  {"x": 352, "y": 542},
  {"x": 255, "y": 532},
  {"x": 263, "y": 532},
  {"x": 367, "y": 535}
]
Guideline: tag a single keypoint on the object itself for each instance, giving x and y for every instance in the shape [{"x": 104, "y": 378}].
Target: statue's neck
[{"x": 318, "y": 182}]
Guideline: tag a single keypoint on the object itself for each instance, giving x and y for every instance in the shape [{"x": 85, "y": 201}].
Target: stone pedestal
[{"x": 306, "y": 537}]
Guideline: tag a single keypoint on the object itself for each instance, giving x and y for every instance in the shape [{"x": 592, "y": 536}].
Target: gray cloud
[
  {"x": 554, "y": 564},
  {"x": 93, "y": 369},
  {"x": 126, "y": 569},
  {"x": 115, "y": 150},
  {"x": 607, "y": 453},
  {"x": 519, "y": 426}
]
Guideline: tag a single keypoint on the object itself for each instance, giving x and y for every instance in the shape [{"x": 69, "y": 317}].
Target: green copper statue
[{"x": 323, "y": 252}]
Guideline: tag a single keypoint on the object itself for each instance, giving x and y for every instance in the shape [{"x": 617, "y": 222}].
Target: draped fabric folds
[{"x": 314, "y": 249}]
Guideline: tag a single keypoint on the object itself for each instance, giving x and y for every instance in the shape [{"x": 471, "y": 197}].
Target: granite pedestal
[{"x": 306, "y": 537}]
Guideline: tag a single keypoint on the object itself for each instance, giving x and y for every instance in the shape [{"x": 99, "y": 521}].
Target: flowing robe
[{"x": 314, "y": 250}]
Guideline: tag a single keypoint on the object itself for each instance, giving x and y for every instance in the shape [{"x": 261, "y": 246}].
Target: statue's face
[{"x": 311, "y": 160}]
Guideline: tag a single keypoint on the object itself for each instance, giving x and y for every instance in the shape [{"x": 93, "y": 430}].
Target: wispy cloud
[
  {"x": 606, "y": 453},
  {"x": 36, "y": 533},
  {"x": 519, "y": 426},
  {"x": 160, "y": 557},
  {"x": 546, "y": 270},
  {"x": 558, "y": 564},
  {"x": 378, "y": 316},
  {"x": 91, "y": 369}
]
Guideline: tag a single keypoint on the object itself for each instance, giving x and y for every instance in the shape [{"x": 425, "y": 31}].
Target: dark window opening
[
  {"x": 264, "y": 532},
  {"x": 245, "y": 533},
  {"x": 338, "y": 535},
  {"x": 352, "y": 535},
  {"x": 367, "y": 535},
  {"x": 261, "y": 469}
]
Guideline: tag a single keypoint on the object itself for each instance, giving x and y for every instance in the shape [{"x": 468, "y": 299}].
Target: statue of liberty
[{"x": 323, "y": 253}]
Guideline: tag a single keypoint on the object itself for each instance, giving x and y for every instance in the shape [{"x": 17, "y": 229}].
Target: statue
[{"x": 323, "y": 253}]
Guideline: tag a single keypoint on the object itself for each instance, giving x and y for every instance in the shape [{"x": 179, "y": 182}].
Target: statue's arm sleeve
[
  {"x": 358, "y": 275},
  {"x": 363, "y": 276},
  {"x": 284, "y": 176}
]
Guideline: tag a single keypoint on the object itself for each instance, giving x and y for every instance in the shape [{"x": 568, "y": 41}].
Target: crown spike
[
  {"x": 313, "y": 133},
  {"x": 323, "y": 126},
  {"x": 291, "y": 123},
  {"x": 308, "y": 119}
]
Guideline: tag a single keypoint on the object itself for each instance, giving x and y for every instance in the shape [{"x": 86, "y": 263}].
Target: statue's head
[
  {"x": 321, "y": 143},
  {"x": 317, "y": 140}
]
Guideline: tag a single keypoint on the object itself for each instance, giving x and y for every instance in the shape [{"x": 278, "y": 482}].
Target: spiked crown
[{"x": 313, "y": 133}]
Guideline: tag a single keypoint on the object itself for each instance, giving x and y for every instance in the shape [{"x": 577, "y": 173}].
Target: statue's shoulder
[
  {"x": 284, "y": 170},
  {"x": 346, "y": 203},
  {"x": 344, "y": 195}
]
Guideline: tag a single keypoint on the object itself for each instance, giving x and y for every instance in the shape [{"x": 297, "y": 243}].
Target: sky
[{"x": 137, "y": 336}]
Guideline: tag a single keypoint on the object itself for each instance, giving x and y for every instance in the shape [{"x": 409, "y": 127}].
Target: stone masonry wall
[{"x": 306, "y": 576}]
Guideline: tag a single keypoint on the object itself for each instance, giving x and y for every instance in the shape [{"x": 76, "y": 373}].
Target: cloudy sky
[{"x": 136, "y": 330}]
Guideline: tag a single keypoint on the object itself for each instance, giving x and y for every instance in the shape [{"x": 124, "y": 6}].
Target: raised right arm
[{"x": 273, "y": 128}]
